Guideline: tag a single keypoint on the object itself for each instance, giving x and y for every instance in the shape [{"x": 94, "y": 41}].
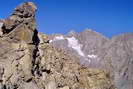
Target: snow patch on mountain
[
  {"x": 59, "y": 38},
  {"x": 1, "y": 24},
  {"x": 73, "y": 43},
  {"x": 92, "y": 56},
  {"x": 50, "y": 41}
]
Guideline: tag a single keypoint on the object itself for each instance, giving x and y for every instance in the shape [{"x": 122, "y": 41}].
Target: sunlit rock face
[
  {"x": 18, "y": 45},
  {"x": 86, "y": 60}
]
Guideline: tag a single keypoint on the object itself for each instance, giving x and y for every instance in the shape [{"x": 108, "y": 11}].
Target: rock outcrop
[
  {"x": 18, "y": 46},
  {"x": 29, "y": 61}
]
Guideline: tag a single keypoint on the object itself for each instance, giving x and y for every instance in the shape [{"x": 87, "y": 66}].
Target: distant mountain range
[{"x": 94, "y": 50}]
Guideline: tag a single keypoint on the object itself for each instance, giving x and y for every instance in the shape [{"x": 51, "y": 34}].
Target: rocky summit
[{"x": 32, "y": 60}]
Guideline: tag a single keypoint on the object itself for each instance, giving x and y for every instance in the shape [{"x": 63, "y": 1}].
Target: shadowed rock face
[{"x": 29, "y": 61}]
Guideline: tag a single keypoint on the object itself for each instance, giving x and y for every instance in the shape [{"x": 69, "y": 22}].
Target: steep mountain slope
[
  {"x": 84, "y": 46},
  {"x": 29, "y": 61},
  {"x": 96, "y": 51},
  {"x": 119, "y": 55}
]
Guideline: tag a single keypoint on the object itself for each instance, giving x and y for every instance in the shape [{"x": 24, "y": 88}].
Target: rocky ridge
[
  {"x": 94, "y": 50},
  {"x": 29, "y": 61}
]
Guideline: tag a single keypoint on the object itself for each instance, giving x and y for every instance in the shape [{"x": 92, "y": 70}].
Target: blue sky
[{"x": 109, "y": 17}]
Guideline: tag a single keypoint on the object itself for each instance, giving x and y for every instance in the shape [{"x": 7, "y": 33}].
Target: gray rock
[
  {"x": 119, "y": 59},
  {"x": 113, "y": 54}
]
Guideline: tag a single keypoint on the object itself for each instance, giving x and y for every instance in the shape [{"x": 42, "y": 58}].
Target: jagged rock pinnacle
[
  {"x": 21, "y": 25},
  {"x": 24, "y": 11}
]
